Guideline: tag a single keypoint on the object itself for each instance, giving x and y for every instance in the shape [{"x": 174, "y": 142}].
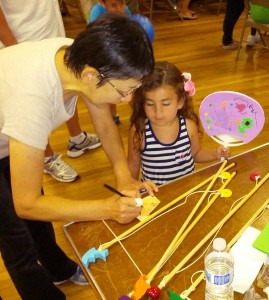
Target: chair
[
  {"x": 171, "y": 3},
  {"x": 219, "y": 5},
  {"x": 73, "y": 3},
  {"x": 249, "y": 22}
]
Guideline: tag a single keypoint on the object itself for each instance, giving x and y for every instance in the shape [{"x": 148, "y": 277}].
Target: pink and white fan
[{"x": 231, "y": 118}]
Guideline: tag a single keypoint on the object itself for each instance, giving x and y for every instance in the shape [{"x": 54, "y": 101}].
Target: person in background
[
  {"x": 253, "y": 37},
  {"x": 184, "y": 12},
  {"x": 133, "y": 5},
  {"x": 33, "y": 20},
  {"x": 39, "y": 85},
  {"x": 164, "y": 136},
  {"x": 99, "y": 9},
  {"x": 234, "y": 9},
  {"x": 259, "y": 14}
]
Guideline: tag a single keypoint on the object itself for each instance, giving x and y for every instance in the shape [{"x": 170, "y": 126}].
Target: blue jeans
[
  {"x": 234, "y": 9},
  {"x": 29, "y": 249}
]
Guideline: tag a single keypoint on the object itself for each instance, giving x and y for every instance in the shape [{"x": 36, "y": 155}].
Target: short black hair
[{"x": 114, "y": 45}]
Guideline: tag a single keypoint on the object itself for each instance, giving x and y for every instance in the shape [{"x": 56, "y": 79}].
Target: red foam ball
[
  {"x": 153, "y": 292},
  {"x": 254, "y": 176}
]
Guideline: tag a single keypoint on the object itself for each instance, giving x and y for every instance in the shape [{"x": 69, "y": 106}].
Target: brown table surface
[{"x": 117, "y": 275}]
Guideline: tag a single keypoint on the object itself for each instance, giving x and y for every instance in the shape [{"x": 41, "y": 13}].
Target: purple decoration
[
  {"x": 231, "y": 114},
  {"x": 124, "y": 298}
]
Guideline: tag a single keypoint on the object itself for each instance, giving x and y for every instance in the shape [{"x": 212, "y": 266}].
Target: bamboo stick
[
  {"x": 148, "y": 218},
  {"x": 207, "y": 237},
  {"x": 230, "y": 244},
  {"x": 181, "y": 235}
]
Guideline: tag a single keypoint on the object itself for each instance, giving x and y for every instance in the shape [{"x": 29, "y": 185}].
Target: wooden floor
[{"x": 195, "y": 47}]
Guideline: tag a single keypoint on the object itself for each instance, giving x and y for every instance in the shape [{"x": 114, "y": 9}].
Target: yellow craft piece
[
  {"x": 225, "y": 175},
  {"x": 226, "y": 193},
  {"x": 149, "y": 204},
  {"x": 140, "y": 288}
]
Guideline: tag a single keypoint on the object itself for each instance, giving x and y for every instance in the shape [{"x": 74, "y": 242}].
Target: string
[
  {"x": 160, "y": 215},
  {"x": 214, "y": 192},
  {"x": 123, "y": 248},
  {"x": 126, "y": 251},
  {"x": 191, "y": 290}
]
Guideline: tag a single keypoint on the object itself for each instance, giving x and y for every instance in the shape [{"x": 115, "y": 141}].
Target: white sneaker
[
  {"x": 253, "y": 39},
  {"x": 78, "y": 278},
  {"x": 59, "y": 169},
  {"x": 90, "y": 142}
]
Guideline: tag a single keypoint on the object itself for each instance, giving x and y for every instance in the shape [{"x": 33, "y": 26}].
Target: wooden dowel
[
  {"x": 185, "y": 233},
  {"x": 210, "y": 234},
  {"x": 181, "y": 235},
  {"x": 153, "y": 215},
  {"x": 230, "y": 244}
]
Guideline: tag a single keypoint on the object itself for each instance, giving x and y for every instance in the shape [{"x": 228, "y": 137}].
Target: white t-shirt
[
  {"x": 31, "y": 96},
  {"x": 33, "y": 20}
]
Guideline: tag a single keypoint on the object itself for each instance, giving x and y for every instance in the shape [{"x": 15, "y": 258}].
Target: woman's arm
[{"x": 27, "y": 164}]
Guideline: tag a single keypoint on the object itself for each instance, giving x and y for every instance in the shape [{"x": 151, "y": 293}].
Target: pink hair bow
[{"x": 188, "y": 84}]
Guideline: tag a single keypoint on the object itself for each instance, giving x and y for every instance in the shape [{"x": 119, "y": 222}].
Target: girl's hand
[
  {"x": 223, "y": 152},
  {"x": 133, "y": 188}
]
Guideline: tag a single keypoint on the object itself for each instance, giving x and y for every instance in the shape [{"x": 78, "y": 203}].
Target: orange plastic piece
[{"x": 140, "y": 288}]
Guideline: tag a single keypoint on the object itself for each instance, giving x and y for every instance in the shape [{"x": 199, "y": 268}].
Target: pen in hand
[
  {"x": 139, "y": 201},
  {"x": 109, "y": 187}
]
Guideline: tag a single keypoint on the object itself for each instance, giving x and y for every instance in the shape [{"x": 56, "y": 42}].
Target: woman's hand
[{"x": 122, "y": 209}]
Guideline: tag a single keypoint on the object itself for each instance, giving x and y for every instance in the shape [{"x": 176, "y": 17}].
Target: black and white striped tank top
[{"x": 165, "y": 162}]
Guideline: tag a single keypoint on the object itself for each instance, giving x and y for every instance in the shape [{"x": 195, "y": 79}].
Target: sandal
[
  {"x": 189, "y": 17},
  {"x": 189, "y": 11}
]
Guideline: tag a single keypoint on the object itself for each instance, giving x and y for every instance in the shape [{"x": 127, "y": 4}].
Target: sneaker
[
  {"x": 234, "y": 45},
  {"x": 60, "y": 170},
  {"x": 91, "y": 141},
  {"x": 78, "y": 278},
  {"x": 253, "y": 40},
  {"x": 116, "y": 119}
]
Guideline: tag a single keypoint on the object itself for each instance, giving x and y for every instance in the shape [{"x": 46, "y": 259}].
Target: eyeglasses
[{"x": 123, "y": 94}]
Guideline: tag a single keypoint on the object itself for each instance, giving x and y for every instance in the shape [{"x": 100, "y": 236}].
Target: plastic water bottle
[{"x": 219, "y": 266}]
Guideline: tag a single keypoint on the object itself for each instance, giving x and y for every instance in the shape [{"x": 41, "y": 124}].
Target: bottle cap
[{"x": 219, "y": 244}]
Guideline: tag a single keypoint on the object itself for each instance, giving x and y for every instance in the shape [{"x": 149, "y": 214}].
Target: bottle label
[{"x": 219, "y": 279}]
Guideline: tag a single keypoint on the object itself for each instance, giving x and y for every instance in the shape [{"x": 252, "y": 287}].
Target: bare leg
[
  {"x": 183, "y": 9},
  {"x": 113, "y": 109},
  {"x": 184, "y": 6},
  {"x": 48, "y": 151},
  {"x": 73, "y": 128},
  {"x": 73, "y": 125}
]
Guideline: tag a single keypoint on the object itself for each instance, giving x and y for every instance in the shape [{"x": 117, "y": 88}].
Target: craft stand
[{"x": 117, "y": 276}]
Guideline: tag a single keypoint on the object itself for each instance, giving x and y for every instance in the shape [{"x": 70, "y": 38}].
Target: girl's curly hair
[{"x": 163, "y": 73}]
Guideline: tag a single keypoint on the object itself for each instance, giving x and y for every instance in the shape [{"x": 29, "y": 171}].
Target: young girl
[{"x": 164, "y": 136}]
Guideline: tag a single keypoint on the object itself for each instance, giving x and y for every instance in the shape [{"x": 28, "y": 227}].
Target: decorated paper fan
[{"x": 231, "y": 118}]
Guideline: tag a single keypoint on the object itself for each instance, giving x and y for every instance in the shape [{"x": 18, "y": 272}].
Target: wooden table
[{"x": 117, "y": 276}]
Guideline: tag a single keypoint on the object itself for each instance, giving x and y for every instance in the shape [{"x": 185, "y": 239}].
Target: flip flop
[{"x": 190, "y": 11}]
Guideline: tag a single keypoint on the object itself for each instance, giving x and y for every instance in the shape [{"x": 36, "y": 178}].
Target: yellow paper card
[{"x": 149, "y": 204}]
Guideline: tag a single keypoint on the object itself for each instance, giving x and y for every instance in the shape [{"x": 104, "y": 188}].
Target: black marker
[
  {"x": 113, "y": 190},
  {"x": 138, "y": 201}
]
